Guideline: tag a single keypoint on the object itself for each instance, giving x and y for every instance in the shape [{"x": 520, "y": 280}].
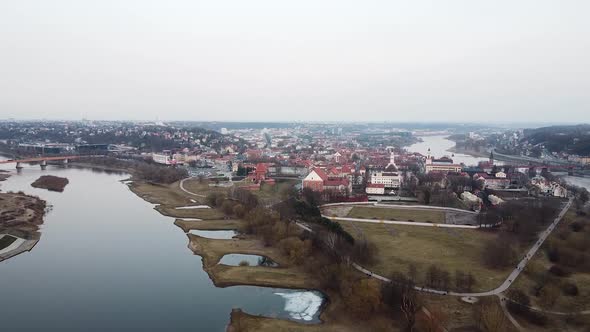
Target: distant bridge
[
  {"x": 537, "y": 162},
  {"x": 42, "y": 160}
]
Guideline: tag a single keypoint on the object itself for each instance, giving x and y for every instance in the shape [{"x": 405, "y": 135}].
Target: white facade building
[
  {"x": 389, "y": 177},
  {"x": 164, "y": 159}
]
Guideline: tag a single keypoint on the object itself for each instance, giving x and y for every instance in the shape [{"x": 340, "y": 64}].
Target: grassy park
[
  {"x": 400, "y": 246},
  {"x": 386, "y": 213},
  {"x": 160, "y": 193}
]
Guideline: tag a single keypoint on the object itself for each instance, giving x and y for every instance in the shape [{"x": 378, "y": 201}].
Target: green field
[
  {"x": 367, "y": 212},
  {"x": 399, "y": 246}
]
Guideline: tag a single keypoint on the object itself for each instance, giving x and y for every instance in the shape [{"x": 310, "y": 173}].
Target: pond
[
  {"x": 106, "y": 260},
  {"x": 244, "y": 259}
]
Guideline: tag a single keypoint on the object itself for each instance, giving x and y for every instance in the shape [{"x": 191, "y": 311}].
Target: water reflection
[{"x": 108, "y": 261}]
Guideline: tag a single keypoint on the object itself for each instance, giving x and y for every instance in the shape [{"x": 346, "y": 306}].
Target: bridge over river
[{"x": 42, "y": 160}]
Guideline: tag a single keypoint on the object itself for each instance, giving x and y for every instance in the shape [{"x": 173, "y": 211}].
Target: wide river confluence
[{"x": 107, "y": 260}]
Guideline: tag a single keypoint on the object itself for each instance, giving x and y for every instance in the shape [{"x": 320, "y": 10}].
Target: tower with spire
[{"x": 392, "y": 159}]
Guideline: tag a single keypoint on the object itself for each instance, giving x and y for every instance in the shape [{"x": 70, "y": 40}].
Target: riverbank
[{"x": 334, "y": 316}]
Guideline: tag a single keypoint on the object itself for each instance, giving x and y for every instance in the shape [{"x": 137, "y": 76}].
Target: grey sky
[{"x": 296, "y": 60}]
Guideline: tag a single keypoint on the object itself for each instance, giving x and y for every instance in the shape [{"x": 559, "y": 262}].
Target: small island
[{"x": 51, "y": 183}]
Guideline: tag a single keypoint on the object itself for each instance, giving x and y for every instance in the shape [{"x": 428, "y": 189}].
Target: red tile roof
[{"x": 320, "y": 173}]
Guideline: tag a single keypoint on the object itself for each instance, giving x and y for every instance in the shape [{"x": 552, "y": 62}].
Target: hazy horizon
[{"x": 266, "y": 61}]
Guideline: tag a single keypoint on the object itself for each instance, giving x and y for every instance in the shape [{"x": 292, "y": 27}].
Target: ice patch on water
[
  {"x": 302, "y": 305},
  {"x": 193, "y": 207}
]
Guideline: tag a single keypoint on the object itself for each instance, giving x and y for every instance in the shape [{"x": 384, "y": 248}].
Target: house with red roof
[
  {"x": 318, "y": 180},
  {"x": 260, "y": 174}
]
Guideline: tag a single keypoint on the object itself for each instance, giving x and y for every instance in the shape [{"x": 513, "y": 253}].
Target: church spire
[{"x": 392, "y": 158}]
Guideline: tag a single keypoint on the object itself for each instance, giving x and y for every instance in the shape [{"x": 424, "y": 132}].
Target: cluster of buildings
[{"x": 351, "y": 161}]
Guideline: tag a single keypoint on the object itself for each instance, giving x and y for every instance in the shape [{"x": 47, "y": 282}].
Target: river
[
  {"x": 439, "y": 146},
  {"x": 107, "y": 260},
  {"x": 579, "y": 181}
]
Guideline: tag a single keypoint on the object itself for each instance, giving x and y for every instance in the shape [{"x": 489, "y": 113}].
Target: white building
[
  {"x": 388, "y": 177},
  {"x": 375, "y": 189},
  {"x": 162, "y": 158},
  {"x": 443, "y": 165}
]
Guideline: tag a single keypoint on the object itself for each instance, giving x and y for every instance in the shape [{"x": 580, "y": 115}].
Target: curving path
[
  {"x": 497, "y": 291},
  {"x": 511, "y": 277},
  {"x": 399, "y": 206},
  {"x": 397, "y": 222},
  {"x": 181, "y": 185}
]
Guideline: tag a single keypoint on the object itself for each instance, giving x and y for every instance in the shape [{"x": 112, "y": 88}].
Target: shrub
[
  {"x": 569, "y": 288},
  {"x": 239, "y": 210},
  {"x": 519, "y": 301},
  {"x": 227, "y": 207},
  {"x": 219, "y": 200},
  {"x": 296, "y": 249},
  {"x": 212, "y": 199},
  {"x": 244, "y": 263},
  {"x": 576, "y": 226},
  {"x": 559, "y": 271}
]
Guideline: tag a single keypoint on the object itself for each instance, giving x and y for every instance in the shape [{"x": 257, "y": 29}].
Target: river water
[
  {"x": 439, "y": 146},
  {"x": 107, "y": 260}
]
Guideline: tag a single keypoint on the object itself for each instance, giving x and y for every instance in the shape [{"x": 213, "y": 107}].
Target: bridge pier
[
  {"x": 19, "y": 165},
  {"x": 43, "y": 164}
]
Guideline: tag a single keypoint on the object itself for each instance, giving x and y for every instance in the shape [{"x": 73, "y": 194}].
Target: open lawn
[
  {"x": 202, "y": 187},
  {"x": 293, "y": 277},
  {"x": 368, "y": 212},
  {"x": 451, "y": 249},
  {"x": 160, "y": 193},
  {"x": 269, "y": 194},
  {"x": 207, "y": 214},
  {"x": 226, "y": 224}
]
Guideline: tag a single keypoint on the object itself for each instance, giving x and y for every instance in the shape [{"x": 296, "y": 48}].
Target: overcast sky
[{"x": 476, "y": 61}]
